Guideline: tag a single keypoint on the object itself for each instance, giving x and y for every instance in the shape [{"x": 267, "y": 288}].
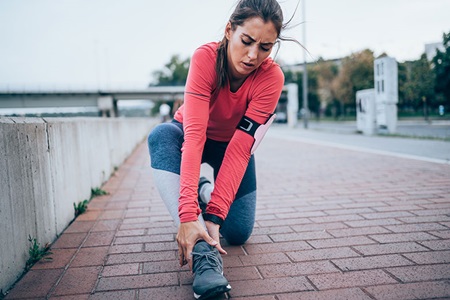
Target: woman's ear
[{"x": 228, "y": 31}]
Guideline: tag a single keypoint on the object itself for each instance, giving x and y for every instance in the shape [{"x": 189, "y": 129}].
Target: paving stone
[
  {"x": 264, "y": 258},
  {"x": 276, "y": 247},
  {"x": 144, "y": 239},
  {"x": 130, "y": 248},
  {"x": 437, "y": 244},
  {"x": 417, "y": 290},
  {"x": 99, "y": 239},
  {"x": 115, "y": 295},
  {"x": 35, "y": 284},
  {"x": 318, "y": 227},
  {"x": 371, "y": 262},
  {"x": 80, "y": 226},
  {"x": 350, "y": 279},
  {"x": 357, "y": 231},
  {"x": 171, "y": 292},
  {"x": 300, "y": 236},
  {"x": 295, "y": 269},
  {"x": 340, "y": 242},
  {"x": 106, "y": 225},
  {"x": 430, "y": 257},
  {"x": 70, "y": 297},
  {"x": 141, "y": 257},
  {"x": 390, "y": 248},
  {"x": 416, "y": 227},
  {"x": 341, "y": 294},
  {"x": 95, "y": 256},
  {"x": 421, "y": 273},
  {"x": 77, "y": 281},
  {"x": 120, "y": 270},
  {"x": 321, "y": 254},
  {"x": 137, "y": 281},
  {"x": 403, "y": 237},
  {"x": 69, "y": 240},
  {"x": 368, "y": 223},
  {"x": 58, "y": 259},
  {"x": 161, "y": 246},
  {"x": 269, "y": 286}
]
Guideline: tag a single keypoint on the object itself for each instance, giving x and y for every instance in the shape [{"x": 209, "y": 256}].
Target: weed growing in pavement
[
  {"x": 80, "y": 208},
  {"x": 98, "y": 192},
  {"x": 37, "y": 253}
]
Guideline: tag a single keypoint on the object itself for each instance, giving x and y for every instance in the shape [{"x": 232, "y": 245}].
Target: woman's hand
[
  {"x": 213, "y": 230},
  {"x": 190, "y": 233}
]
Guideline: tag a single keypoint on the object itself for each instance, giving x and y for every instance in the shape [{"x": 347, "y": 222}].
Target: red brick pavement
[{"x": 331, "y": 224}]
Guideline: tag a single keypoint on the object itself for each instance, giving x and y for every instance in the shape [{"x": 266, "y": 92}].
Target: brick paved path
[{"x": 331, "y": 224}]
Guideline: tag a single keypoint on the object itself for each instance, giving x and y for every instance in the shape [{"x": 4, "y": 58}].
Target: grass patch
[
  {"x": 98, "y": 192},
  {"x": 418, "y": 137},
  {"x": 37, "y": 253},
  {"x": 81, "y": 207}
]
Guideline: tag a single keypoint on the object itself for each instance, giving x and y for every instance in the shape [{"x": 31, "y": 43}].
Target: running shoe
[{"x": 208, "y": 272}]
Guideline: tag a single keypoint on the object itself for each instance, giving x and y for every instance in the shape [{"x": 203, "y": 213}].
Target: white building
[{"x": 386, "y": 92}]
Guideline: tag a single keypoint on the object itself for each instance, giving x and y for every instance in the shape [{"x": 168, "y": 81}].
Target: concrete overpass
[{"x": 104, "y": 100}]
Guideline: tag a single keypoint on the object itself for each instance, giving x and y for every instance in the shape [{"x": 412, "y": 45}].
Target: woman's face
[{"x": 248, "y": 46}]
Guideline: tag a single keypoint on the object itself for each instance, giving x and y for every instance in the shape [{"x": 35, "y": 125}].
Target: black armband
[
  {"x": 248, "y": 125},
  {"x": 213, "y": 218}
]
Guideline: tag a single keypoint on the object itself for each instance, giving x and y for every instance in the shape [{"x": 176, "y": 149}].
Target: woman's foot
[{"x": 208, "y": 272}]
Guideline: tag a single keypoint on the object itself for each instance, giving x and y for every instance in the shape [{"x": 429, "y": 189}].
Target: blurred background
[{"x": 67, "y": 45}]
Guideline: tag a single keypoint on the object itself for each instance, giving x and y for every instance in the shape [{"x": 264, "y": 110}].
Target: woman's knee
[
  {"x": 237, "y": 237},
  {"x": 163, "y": 133}
]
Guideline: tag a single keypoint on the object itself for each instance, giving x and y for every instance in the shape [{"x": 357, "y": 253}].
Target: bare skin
[{"x": 190, "y": 233}]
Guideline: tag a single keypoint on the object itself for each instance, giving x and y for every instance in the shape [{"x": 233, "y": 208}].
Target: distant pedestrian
[
  {"x": 164, "y": 112},
  {"x": 231, "y": 93}
]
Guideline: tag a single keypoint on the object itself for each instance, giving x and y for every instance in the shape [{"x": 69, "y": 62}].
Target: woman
[{"x": 231, "y": 93}]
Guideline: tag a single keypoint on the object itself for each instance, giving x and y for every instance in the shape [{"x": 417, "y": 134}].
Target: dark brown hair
[{"x": 267, "y": 10}]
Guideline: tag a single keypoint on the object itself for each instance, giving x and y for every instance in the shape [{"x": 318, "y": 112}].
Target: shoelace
[{"x": 211, "y": 261}]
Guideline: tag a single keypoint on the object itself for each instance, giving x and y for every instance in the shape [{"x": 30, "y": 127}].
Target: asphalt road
[{"x": 414, "y": 139}]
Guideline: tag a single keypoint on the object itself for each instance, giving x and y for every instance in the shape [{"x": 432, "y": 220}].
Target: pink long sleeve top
[{"x": 215, "y": 116}]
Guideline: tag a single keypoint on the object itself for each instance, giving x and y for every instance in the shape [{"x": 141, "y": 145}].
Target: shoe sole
[{"x": 213, "y": 292}]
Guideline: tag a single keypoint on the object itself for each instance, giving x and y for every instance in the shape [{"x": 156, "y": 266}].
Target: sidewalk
[{"x": 332, "y": 223}]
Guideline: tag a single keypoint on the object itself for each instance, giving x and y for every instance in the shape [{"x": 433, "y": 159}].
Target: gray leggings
[{"x": 165, "y": 142}]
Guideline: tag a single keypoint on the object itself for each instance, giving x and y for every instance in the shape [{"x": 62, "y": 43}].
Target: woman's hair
[{"x": 267, "y": 10}]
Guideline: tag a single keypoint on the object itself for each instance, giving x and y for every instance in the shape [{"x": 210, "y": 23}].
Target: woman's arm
[{"x": 263, "y": 102}]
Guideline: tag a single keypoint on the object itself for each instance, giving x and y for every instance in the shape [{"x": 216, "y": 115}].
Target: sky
[{"x": 107, "y": 44}]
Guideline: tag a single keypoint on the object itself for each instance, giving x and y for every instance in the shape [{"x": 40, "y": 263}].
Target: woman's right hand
[{"x": 190, "y": 233}]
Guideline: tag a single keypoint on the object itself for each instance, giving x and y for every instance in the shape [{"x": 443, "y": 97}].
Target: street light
[{"x": 305, "y": 109}]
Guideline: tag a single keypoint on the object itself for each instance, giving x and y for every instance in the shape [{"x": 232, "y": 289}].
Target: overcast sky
[{"x": 119, "y": 43}]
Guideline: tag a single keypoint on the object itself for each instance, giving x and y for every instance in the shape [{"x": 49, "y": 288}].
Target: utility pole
[{"x": 305, "y": 109}]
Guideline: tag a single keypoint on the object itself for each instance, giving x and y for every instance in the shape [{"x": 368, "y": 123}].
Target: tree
[
  {"x": 418, "y": 89},
  {"x": 356, "y": 74},
  {"x": 442, "y": 70},
  {"x": 326, "y": 73},
  {"x": 174, "y": 72}
]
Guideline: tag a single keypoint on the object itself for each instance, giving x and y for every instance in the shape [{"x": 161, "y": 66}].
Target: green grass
[
  {"x": 81, "y": 207},
  {"x": 98, "y": 192},
  {"x": 37, "y": 253}
]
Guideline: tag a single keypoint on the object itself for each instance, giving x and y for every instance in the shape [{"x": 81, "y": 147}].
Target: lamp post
[{"x": 305, "y": 109}]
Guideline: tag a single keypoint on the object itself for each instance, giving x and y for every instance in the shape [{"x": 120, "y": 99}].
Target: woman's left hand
[{"x": 213, "y": 231}]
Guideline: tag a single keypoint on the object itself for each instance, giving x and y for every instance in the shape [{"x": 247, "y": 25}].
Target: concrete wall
[{"x": 46, "y": 165}]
